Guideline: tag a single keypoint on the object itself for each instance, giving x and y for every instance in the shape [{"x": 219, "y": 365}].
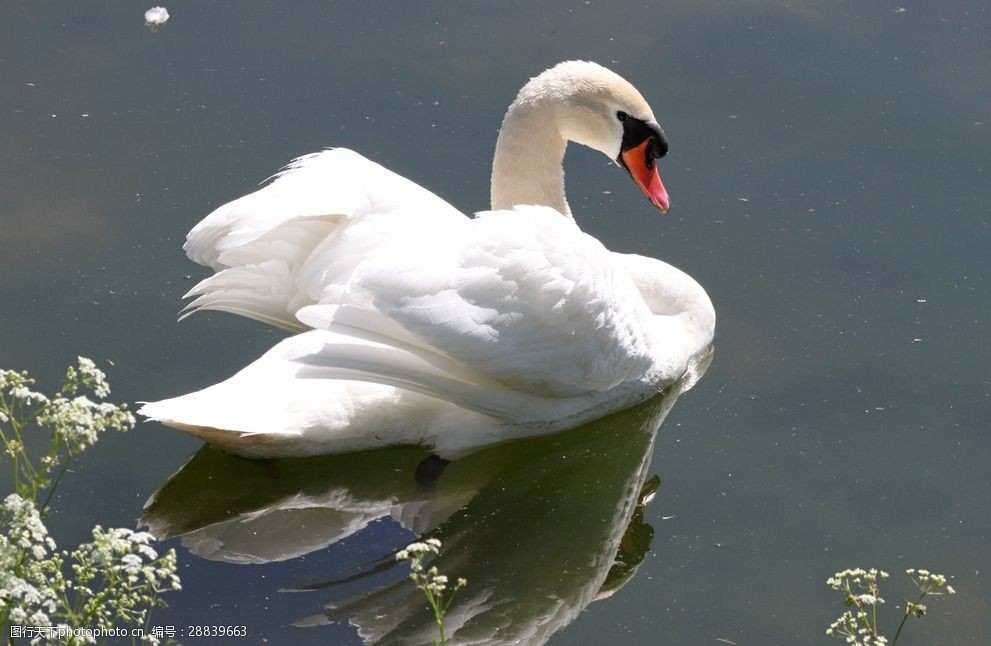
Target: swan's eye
[{"x": 622, "y": 116}]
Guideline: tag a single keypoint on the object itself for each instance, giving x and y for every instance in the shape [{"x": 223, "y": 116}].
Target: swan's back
[{"x": 522, "y": 297}]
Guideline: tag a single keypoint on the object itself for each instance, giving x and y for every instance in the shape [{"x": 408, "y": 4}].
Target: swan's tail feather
[
  {"x": 312, "y": 385},
  {"x": 209, "y": 434}
]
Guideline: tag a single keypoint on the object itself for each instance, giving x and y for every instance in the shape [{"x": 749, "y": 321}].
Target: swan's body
[{"x": 428, "y": 327}]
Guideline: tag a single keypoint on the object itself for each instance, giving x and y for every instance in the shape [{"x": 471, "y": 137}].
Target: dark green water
[{"x": 829, "y": 179}]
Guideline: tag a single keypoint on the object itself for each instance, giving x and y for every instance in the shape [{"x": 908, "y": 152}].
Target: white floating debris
[{"x": 156, "y": 17}]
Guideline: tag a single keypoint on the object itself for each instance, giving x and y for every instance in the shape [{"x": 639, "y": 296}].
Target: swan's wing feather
[
  {"x": 260, "y": 281},
  {"x": 334, "y": 181},
  {"x": 523, "y": 298},
  {"x": 259, "y": 292},
  {"x": 296, "y": 240},
  {"x": 390, "y": 366}
]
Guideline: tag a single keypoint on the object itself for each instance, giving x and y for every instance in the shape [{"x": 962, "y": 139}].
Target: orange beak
[{"x": 640, "y": 164}]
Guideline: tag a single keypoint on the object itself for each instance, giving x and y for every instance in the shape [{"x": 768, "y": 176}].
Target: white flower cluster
[
  {"x": 416, "y": 552},
  {"x": 118, "y": 576},
  {"x": 86, "y": 375},
  {"x": 861, "y": 592},
  {"x": 75, "y": 419},
  {"x": 855, "y": 630},
  {"x": 857, "y": 576},
  {"x": 25, "y": 594},
  {"x": 78, "y": 422},
  {"x": 431, "y": 582},
  {"x": 860, "y": 588},
  {"x": 17, "y": 385},
  {"x": 130, "y": 572},
  {"x": 928, "y": 583}
]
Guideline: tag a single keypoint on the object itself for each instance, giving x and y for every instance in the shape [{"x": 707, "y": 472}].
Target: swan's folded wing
[
  {"x": 521, "y": 297},
  {"x": 336, "y": 181},
  {"x": 297, "y": 239}
]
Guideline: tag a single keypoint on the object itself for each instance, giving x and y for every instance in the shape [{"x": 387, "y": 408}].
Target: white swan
[{"x": 432, "y": 328}]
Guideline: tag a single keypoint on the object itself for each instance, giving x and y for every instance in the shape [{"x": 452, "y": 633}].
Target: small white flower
[{"x": 27, "y": 396}]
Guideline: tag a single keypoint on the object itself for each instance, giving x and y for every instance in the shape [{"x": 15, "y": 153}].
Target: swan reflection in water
[{"x": 540, "y": 527}]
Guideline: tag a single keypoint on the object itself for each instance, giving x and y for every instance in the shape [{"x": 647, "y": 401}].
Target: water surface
[{"x": 828, "y": 173}]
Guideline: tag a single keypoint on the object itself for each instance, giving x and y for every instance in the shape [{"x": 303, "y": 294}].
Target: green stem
[
  {"x": 15, "y": 426},
  {"x": 23, "y": 471},
  {"x": 146, "y": 625},
  {"x": 875, "y": 592},
  {"x": 5, "y": 411},
  {"x": 438, "y": 614},
  {"x": 54, "y": 485},
  {"x": 898, "y": 632},
  {"x": 894, "y": 640}
]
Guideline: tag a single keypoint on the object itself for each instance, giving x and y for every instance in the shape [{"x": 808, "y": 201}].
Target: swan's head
[{"x": 598, "y": 108}]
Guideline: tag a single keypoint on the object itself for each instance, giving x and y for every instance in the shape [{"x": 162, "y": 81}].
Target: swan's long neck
[{"x": 527, "y": 168}]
